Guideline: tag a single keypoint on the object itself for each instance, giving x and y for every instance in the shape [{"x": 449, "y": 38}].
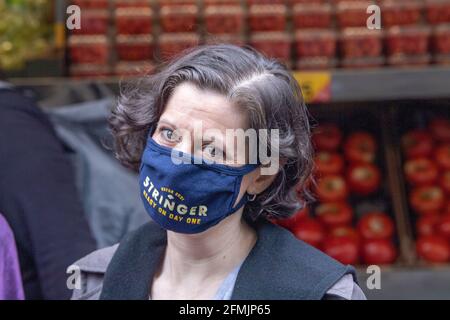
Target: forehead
[{"x": 189, "y": 104}]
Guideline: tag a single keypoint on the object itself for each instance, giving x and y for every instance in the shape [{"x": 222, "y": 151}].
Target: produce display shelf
[
  {"x": 390, "y": 84},
  {"x": 344, "y": 85},
  {"x": 430, "y": 282}
]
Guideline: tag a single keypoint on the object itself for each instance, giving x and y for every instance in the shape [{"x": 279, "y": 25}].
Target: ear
[{"x": 260, "y": 182}]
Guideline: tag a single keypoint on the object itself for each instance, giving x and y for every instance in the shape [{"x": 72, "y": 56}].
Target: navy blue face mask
[{"x": 188, "y": 197}]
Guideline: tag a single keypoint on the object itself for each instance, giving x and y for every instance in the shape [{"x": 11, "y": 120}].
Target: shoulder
[
  {"x": 333, "y": 279},
  {"x": 93, "y": 267},
  {"x": 345, "y": 289},
  {"x": 91, "y": 270},
  {"x": 284, "y": 245},
  {"x": 291, "y": 268},
  {"x": 98, "y": 260}
]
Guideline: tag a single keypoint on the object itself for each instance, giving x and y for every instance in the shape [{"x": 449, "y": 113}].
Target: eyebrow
[
  {"x": 162, "y": 121},
  {"x": 213, "y": 139},
  {"x": 205, "y": 140}
]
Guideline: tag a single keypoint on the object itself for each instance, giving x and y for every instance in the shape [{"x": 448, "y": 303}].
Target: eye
[
  {"x": 212, "y": 151},
  {"x": 168, "y": 135}
]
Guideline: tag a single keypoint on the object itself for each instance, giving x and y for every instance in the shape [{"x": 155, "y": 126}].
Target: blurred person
[
  {"x": 99, "y": 177},
  {"x": 38, "y": 197},
  {"x": 212, "y": 238},
  {"x": 10, "y": 279}
]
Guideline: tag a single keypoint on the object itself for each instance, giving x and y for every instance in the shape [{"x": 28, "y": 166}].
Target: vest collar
[{"x": 273, "y": 270}]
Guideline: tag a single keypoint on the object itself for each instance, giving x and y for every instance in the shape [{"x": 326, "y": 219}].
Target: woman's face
[
  {"x": 192, "y": 113},
  {"x": 205, "y": 115}
]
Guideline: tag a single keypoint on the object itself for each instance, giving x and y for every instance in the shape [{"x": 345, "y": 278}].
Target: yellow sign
[{"x": 316, "y": 85}]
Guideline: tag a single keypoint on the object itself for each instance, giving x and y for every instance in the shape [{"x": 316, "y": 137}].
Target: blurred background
[{"x": 379, "y": 101}]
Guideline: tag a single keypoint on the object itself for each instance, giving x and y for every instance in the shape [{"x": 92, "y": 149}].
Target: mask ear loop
[{"x": 251, "y": 197}]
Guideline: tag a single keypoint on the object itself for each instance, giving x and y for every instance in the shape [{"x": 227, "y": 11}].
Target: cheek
[
  {"x": 247, "y": 181},
  {"x": 246, "y": 184}
]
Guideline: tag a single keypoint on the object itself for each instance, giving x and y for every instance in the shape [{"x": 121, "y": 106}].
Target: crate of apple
[
  {"x": 427, "y": 172},
  {"x": 171, "y": 44},
  {"x": 396, "y": 13},
  {"x": 179, "y": 18},
  {"x": 315, "y": 43},
  {"x": 266, "y": 18},
  {"x": 441, "y": 39},
  {"x": 132, "y": 4},
  {"x": 273, "y": 44},
  {"x": 91, "y": 4},
  {"x": 360, "y": 43},
  {"x": 134, "y": 20},
  {"x": 224, "y": 19},
  {"x": 408, "y": 40},
  {"x": 352, "y": 13},
  {"x": 94, "y": 21},
  {"x": 345, "y": 168},
  {"x": 437, "y": 11},
  {"x": 312, "y": 15},
  {"x": 89, "y": 49},
  {"x": 134, "y": 48}
]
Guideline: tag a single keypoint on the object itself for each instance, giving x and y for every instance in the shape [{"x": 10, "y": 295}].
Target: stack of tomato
[
  {"x": 344, "y": 168},
  {"x": 427, "y": 171}
]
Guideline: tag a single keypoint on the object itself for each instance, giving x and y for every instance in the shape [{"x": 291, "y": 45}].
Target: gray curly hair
[{"x": 261, "y": 86}]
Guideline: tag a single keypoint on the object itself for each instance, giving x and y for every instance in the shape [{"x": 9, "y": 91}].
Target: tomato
[
  {"x": 417, "y": 143},
  {"x": 331, "y": 188},
  {"x": 440, "y": 129},
  {"x": 327, "y": 137},
  {"x": 375, "y": 225},
  {"x": 442, "y": 155},
  {"x": 428, "y": 199},
  {"x": 378, "y": 251},
  {"x": 445, "y": 182},
  {"x": 328, "y": 163},
  {"x": 310, "y": 231},
  {"x": 360, "y": 147},
  {"x": 443, "y": 226},
  {"x": 433, "y": 248},
  {"x": 289, "y": 223},
  {"x": 420, "y": 171},
  {"x": 334, "y": 214},
  {"x": 447, "y": 208},
  {"x": 344, "y": 231},
  {"x": 426, "y": 225},
  {"x": 343, "y": 249},
  {"x": 363, "y": 179}
]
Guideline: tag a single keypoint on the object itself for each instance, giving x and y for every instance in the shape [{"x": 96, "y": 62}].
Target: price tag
[{"x": 316, "y": 86}]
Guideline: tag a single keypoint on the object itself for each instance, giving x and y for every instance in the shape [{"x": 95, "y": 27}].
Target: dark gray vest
[{"x": 279, "y": 267}]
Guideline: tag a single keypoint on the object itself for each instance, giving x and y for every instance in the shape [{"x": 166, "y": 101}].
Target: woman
[{"x": 211, "y": 238}]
